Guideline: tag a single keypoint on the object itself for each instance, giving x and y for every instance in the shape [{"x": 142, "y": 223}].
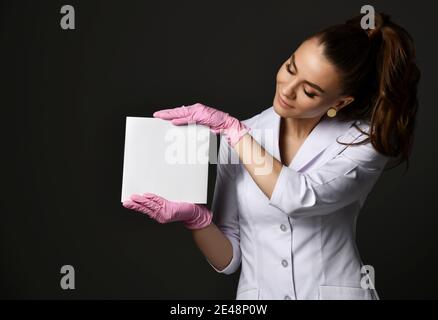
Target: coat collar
[{"x": 323, "y": 135}]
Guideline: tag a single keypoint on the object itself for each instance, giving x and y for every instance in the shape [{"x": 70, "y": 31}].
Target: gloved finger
[
  {"x": 151, "y": 212},
  {"x": 129, "y": 204},
  {"x": 147, "y": 197},
  {"x": 137, "y": 207},
  {"x": 143, "y": 209},
  {"x": 148, "y": 202},
  {"x": 139, "y": 198},
  {"x": 150, "y": 195},
  {"x": 156, "y": 198},
  {"x": 216, "y": 131},
  {"x": 169, "y": 114},
  {"x": 180, "y": 121}
]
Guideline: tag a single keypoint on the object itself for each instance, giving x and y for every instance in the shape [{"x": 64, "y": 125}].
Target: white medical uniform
[{"x": 300, "y": 244}]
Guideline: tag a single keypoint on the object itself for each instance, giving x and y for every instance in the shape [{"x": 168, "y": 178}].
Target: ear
[{"x": 343, "y": 102}]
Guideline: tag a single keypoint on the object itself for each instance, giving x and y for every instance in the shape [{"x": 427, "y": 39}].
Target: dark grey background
[{"x": 64, "y": 99}]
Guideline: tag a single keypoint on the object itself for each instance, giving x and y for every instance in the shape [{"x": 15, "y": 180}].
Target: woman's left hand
[{"x": 217, "y": 120}]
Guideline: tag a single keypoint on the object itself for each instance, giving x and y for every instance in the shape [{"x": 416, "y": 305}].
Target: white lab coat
[{"x": 300, "y": 244}]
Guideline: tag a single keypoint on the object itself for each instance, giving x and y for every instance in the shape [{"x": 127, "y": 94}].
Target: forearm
[
  {"x": 215, "y": 246},
  {"x": 263, "y": 167}
]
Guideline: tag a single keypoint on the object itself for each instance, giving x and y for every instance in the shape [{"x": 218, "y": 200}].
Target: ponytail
[{"x": 379, "y": 71}]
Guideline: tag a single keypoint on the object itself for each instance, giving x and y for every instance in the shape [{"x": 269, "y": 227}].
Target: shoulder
[{"x": 364, "y": 154}]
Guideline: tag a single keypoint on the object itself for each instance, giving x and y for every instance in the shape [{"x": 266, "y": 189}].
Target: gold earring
[{"x": 331, "y": 112}]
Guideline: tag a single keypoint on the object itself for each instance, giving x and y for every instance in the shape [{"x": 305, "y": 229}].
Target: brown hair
[{"x": 378, "y": 69}]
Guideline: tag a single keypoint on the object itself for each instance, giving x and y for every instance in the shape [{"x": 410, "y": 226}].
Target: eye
[
  {"x": 310, "y": 95},
  {"x": 288, "y": 68}
]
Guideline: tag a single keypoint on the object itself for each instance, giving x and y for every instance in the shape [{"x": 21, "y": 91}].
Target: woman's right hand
[{"x": 193, "y": 216}]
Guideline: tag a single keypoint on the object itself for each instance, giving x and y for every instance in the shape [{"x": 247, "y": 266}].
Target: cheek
[
  {"x": 281, "y": 75},
  {"x": 312, "y": 107}
]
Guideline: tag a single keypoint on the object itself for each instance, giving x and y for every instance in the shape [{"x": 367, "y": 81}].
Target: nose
[{"x": 289, "y": 90}]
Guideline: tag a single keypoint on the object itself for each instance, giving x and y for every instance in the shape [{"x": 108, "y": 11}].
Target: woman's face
[{"x": 307, "y": 84}]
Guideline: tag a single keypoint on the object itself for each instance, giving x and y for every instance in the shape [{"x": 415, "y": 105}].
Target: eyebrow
[{"x": 292, "y": 59}]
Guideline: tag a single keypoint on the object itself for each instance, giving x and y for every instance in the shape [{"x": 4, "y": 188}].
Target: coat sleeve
[
  {"x": 224, "y": 205},
  {"x": 344, "y": 179}
]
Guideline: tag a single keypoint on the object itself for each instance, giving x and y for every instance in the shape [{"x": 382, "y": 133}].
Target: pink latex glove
[
  {"x": 194, "y": 216},
  {"x": 218, "y": 121}
]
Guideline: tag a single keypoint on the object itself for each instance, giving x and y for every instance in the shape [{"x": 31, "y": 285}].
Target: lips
[{"x": 284, "y": 102}]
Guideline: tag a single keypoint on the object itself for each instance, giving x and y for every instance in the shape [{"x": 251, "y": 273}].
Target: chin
[{"x": 281, "y": 111}]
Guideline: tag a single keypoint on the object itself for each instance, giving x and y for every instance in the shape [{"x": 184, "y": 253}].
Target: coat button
[
  {"x": 286, "y": 297},
  {"x": 283, "y": 227},
  {"x": 284, "y": 263}
]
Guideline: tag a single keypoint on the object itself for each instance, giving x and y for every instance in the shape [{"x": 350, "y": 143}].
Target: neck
[{"x": 298, "y": 128}]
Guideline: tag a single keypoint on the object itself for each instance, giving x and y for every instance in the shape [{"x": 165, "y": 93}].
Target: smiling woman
[
  {"x": 308, "y": 86},
  {"x": 345, "y": 104},
  {"x": 371, "y": 73}
]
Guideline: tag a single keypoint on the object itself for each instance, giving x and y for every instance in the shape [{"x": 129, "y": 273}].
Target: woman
[{"x": 345, "y": 103}]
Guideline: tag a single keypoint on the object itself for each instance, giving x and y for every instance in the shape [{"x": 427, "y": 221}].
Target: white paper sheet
[{"x": 165, "y": 159}]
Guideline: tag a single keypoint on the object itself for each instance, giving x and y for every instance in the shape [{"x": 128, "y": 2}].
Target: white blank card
[{"x": 168, "y": 160}]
